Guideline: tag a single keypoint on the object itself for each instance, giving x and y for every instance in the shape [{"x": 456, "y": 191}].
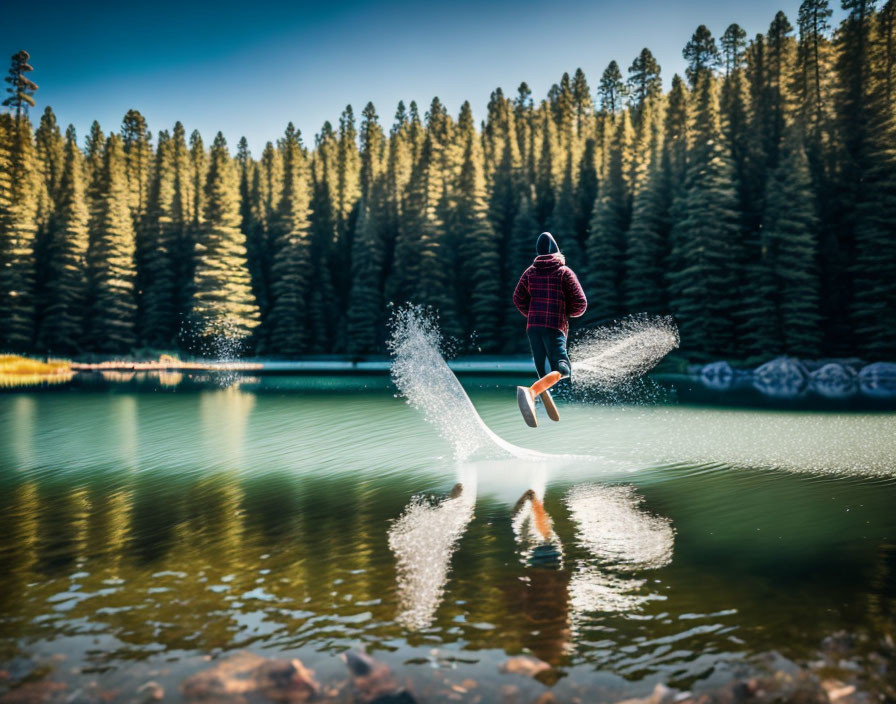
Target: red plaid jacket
[{"x": 549, "y": 294}]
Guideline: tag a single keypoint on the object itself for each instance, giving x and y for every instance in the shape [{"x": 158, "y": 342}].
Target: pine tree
[
  {"x": 853, "y": 109},
  {"x": 365, "y": 305},
  {"x": 21, "y": 88},
  {"x": 287, "y": 323},
  {"x": 701, "y": 54},
  {"x": 194, "y": 215},
  {"x": 873, "y": 310},
  {"x": 138, "y": 158},
  {"x": 267, "y": 185},
  {"x": 606, "y": 237},
  {"x": 612, "y": 90},
  {"x": 885, "y": 42},
  {"x": 398, "y": 173},
  {"x": 95, "y": 146},
  {"x": 777, "y": 103},
  {"x": 813, "y": 25},
  {"x": 419, "y": 213},
  {"x": 428, "y": 203},
  {"x": 481, "y": 261},
  {"x": 812, "y": 93},
  {"x": 501, "y": 164},
  {"x": 733, "y": 42},
  {"x": 19, "y": 189},
  {"x": 112, "y": 307},
  {"x": 257, "y": 241},
  {"x": 647, "y": 244},
  {"x": 790, "y": 253},
  {"x": 584, "y": 109},
  {"x": 562, "y": 223},
  {"x": 544, "y": 175},
  {"x": 585, "y": 192},
  {"x": 50, "y": 149},
  {"x": 324, "y": 316},
  {"x": 523, "y": 118},
  {"x": 182, "y": 204},
  {"x": 62, "y": 320},
  {"x": 222, "y": 301},
  {"x": 161, "y": 230},
  {"x": 50, "y": 152},
  {"x": 520, "y": 254},
  {"x": 703, "y": 277},
  {"x": 644, "y": 82},
  {"x": 348, "y": 165}
]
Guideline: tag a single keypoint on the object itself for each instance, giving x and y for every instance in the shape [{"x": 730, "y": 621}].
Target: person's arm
[
  {"x": 521, "y": 296},
  {"x": 576, "y": 303}
]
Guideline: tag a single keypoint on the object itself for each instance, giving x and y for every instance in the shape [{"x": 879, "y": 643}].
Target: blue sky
[{"x": 248, "y": 68}]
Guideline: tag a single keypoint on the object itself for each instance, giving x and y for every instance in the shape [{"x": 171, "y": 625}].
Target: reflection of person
[
  {"x": 543, "y": 595},
  {"x": 548, "y": 295},
  {"x": 533, "y": 525}
]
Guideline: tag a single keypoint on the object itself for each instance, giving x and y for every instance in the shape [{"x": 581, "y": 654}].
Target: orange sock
[{"x": 546, "y": 382}]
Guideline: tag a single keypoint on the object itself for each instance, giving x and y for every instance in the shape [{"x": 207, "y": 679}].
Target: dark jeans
[{"x": 549, "y": 346}]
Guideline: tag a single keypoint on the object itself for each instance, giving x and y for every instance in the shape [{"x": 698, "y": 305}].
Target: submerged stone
[
  {"x": 373, "y": 681},
  {"x": 244, "y": 673}
]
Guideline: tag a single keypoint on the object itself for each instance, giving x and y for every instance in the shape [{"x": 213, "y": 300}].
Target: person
[{"x": 548, "y": 295}]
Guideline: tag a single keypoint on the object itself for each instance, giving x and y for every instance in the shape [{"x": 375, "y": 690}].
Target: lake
[{"x": 155, "y": 525}]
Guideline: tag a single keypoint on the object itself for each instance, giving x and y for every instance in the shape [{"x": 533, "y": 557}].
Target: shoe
[
  {"x": 549, "y": 406},
  {"x": 526, "y": 402}
]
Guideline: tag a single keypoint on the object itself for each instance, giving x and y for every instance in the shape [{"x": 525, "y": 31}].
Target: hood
[
  {"x": 546, "y": 244},
  {"x": 549, "y": 262}
]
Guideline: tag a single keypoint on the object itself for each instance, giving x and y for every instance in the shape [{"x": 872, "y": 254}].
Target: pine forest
[{"x": 754, "y": 200}]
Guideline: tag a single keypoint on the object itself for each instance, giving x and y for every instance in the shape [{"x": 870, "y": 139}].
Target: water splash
[
  {"x": 222, "y": 340},
  {"x": 614, "y": 358},
  {"x": 425, "y": 380}
]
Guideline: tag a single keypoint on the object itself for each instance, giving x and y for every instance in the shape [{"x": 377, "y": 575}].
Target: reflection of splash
[
  {"x": 423, "y": 540},
  {"x": 612, "y": 527},
  {"x": 420, "y": 373}
]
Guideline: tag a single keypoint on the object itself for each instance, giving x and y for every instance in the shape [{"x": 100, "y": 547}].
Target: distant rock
[
  {"x": 878, "y": 380},
  {"x": 783, "y": 377},
  {"x": 718, "y": 376},
  {"x": 834, "y": 380}
]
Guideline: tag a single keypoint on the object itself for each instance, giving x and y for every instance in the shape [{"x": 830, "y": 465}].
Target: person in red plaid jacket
[{"x": 548, "y": 295}]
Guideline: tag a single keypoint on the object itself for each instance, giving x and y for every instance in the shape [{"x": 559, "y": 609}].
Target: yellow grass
[{"x": 24, "y": 371}]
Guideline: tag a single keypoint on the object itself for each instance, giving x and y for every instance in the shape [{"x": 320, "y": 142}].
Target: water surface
[{"x": 146, "y": 528}]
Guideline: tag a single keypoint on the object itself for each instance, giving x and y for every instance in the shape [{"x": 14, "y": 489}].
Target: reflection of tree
[
  {"x": 224, "y": 416},
  {"x": 64, "y": 528},
  {"x": 423, "y": 540},
  {"x": 19, "y": 432},
  {"x": 882, "y": 595},
  {"x": 621, "y": 538},
  {"x": 18, "y": 552}
]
